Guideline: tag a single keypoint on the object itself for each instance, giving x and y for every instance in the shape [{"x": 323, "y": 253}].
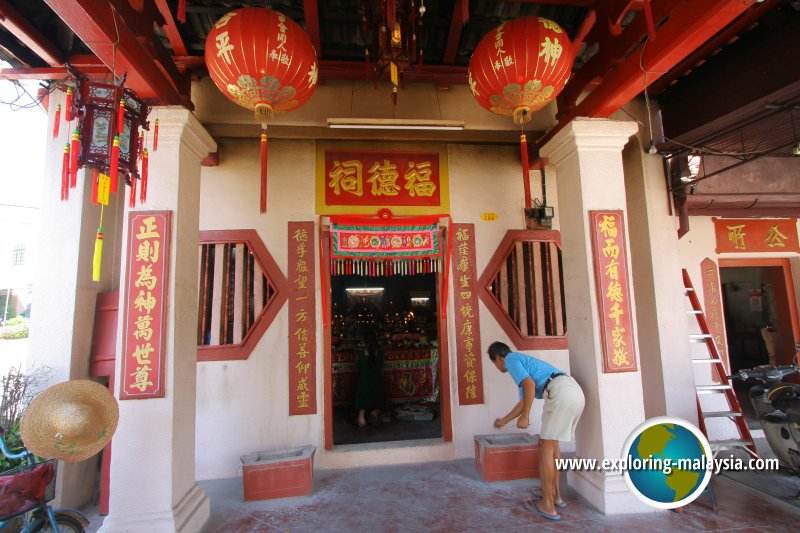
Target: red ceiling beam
[
  {"x": 689, "y": 25},
  {"x": 171, "y": 29},
  {"x": 311, "y": 11},
  {"x": 459, "y": 18},
  {"x": 116, "y": 41},
  {"x": 27, "y": 33}
]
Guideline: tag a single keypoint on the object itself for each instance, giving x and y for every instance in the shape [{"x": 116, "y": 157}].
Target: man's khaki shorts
[{"x": 563, "y": 405}]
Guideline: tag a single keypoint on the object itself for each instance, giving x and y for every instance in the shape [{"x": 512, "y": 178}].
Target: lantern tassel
[
  {"x": 97, "y": 260},
  {"x": 523, "y": 150},
  {"x": 95, "y": 184},
  {"x": 73, "y": 159},
  {"x": 264, "y": 171},
  {"x": 121, "y": 116},
  {"x": 113, "y": 172},
  {"x": 57, "y": 121},
  {"x": 143, "y": 188},
  {"x": 182, "y": 11},
  {"x": 65, "y": 174},
  {"x": 132, "y": 199},
  {"x": 68, "y": 110},
  {"x": 155, "y": 136}
]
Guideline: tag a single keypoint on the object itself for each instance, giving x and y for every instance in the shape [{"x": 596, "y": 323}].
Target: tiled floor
[{"x": 449, "y": 497}]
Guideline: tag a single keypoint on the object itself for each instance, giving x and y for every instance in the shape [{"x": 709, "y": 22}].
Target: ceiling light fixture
[{"x": 395, "y": 124}]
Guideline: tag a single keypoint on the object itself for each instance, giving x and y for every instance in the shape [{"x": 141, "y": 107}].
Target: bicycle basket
[{"x": 26, "y": 488}]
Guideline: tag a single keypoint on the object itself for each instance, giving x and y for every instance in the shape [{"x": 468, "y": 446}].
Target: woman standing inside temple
[{"x": 370, "y": 393}]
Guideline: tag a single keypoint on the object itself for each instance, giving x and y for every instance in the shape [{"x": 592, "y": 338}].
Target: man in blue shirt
[{"x": 563, "y": 405}]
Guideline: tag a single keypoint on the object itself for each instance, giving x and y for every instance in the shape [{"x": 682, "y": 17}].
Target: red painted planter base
[
  {"x": 280, "y": 474},
  {"x": 507, "y": 456}
]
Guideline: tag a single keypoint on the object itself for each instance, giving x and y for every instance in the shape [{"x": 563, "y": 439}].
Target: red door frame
[
  {"x": 784, "y": 264},
  {"x": 444, "y": 360}
]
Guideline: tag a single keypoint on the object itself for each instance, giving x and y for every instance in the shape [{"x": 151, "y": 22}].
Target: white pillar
[
  {"x": 153, "y": 484},
  {"x": 587, "y": 155}
]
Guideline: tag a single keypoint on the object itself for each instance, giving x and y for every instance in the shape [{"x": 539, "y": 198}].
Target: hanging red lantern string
[
  {"x": 65, "y": 174},
  {"x": 95, "y": 183},
  {"x": 182, "y": 11},
  {"x": 263, "y": 61},
  {"x": 73, "y": 159},
  {"x": 68, "y": 105},
  {"x": 57, "y": 121},
  {"x": 155, "y": 136},
  {"x": 523, "y": 152},
  {"x": 113, "y": 172},
  {"x": 132, "y": 198},
  {"x": 143, "y": 188},
  {"x": 264, "y": 169},
  {"x": 121, "y": 117}
]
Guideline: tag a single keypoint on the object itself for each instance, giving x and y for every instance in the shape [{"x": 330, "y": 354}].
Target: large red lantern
[
  {"x": 264, "y": 61},
  {"x": 517, "y": 69}
]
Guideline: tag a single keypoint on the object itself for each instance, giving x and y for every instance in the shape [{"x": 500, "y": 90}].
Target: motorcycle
[{"x": 777, "y": 405}]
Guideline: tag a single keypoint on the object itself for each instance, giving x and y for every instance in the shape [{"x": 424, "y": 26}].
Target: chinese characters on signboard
[
  {"x": 611, "y": 272},
  {"x": 146, "y": 304},
  {"x": 468, "y": 331},
  {"x": 712, "y": 301},
  {"x": 761, "y": 235},
  {"x": 302, "y": 320}
]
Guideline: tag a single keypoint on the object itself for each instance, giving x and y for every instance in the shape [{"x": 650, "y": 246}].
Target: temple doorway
[{"x": 385, "y": 351}]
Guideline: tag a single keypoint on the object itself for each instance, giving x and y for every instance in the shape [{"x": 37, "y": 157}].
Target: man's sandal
[
  {"x": 530, "y": 505},
  {"x": 536, "y": 494}
]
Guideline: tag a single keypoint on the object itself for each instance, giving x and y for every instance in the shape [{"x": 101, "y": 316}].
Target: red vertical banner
[
  {"x": 712, "y": 302},
  {"x": 468, "y": 331},
  {"x": 302, "y": 320},
  {"x": 610, "y": 252},
  {"x": 146, "y": 289}
]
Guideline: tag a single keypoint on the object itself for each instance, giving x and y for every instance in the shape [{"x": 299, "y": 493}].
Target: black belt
[{"x": 553, "y": 376}]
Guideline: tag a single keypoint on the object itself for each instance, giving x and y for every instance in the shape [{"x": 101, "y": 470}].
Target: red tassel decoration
[
  {"x": 95, "y": 183},
  {"x": 113, "y": 172},
  {"x": 523, "y": 148},
  {"x": 121, "y": 116},
  {"x": 182, "y": 11},
  {"x": 73, "y": 159},
  {"x": 132, "y": 199},
  {"x": 143, "y": 188},
  {"x": 155, "y": 136},
  {"x": 264, "y": 172},
  {"x": 68, "y": 110},
  {"x": 57, "y": 121},
  {"x": 65, "y": 175}
]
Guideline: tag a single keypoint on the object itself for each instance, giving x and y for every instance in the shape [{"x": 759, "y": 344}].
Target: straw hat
[{"x": 70, "y": 421}]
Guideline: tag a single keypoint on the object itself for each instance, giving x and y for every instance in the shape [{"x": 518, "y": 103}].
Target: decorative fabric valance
[{"x": 379, "y": 240}]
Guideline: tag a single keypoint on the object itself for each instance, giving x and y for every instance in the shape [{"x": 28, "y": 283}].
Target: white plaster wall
[{"x": 242, "y": 406}]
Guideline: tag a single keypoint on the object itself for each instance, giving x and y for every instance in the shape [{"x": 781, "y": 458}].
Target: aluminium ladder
[{"x": 734, "y": 412}]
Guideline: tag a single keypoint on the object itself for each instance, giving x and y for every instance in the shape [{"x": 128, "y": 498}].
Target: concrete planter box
[
  {"x": 278, "y": 474},
  {"x": 506, "y": 457}
]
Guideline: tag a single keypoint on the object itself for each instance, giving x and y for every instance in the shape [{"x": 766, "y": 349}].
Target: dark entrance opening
[{"x": 385, "y": 358}]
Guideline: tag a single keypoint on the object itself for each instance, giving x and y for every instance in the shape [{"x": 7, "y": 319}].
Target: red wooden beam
[
  {"x": 111, "y": 38},
  {"x": 48, "y": 73},
  {"x": 459, "y": 18},
  {"x": 688, "y": 27},
  {"x": 311, "y": 11},
  {"x": 27, "y": 33},
  {"x": 171, "y": 29}
]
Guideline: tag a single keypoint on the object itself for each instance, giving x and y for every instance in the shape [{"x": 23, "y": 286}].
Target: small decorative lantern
[
  {"x": 264, "y": 61},
  {"x": 517, "y": 69}
]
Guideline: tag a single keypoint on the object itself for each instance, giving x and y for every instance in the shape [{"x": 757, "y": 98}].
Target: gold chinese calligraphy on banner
[
  {"x": 756, "y": 235},
  {"x": 468, "y": 331},
  {"x": 302, "y": 320},
  {"x": 145, "y": 304},
  {"x": 613, "y": 292}
]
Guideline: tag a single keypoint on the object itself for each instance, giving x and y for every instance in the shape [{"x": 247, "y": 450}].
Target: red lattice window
[
  {"x": 241, "y": 291},
  {"x": 523, "y": 288}
]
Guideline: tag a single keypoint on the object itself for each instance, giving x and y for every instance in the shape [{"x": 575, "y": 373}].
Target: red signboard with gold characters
[
  {"x": 712, "y": 300},
  {"x": 302, "y": 320},
  {"x": 761, "y": 235},
  {"x": 611, "y": 273},
  {"x": 146, "y": 304},
  {"x": 468, "y": 331}
]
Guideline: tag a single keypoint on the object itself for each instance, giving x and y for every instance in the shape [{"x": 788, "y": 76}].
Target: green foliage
[
  {"x": 14, "y": 445},
  {"x": 15, "y": 328},
  {"x": 19, "y": 388}
]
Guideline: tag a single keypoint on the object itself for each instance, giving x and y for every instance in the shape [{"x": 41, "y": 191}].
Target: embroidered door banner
[
  {"x": 302, "y": 320},
  {"x": 384, "y": 241},
  {"x": 611, "y": 273},
  {"x": 468, "y": 331},
  {"x": 761, "y": 235},
  {"x": 145, "y": 305}
]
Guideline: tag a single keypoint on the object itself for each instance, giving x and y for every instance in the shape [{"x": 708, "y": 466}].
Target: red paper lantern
[
  {"x": 264, "y": 61},
  {"x": 520, "y": 66}
]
